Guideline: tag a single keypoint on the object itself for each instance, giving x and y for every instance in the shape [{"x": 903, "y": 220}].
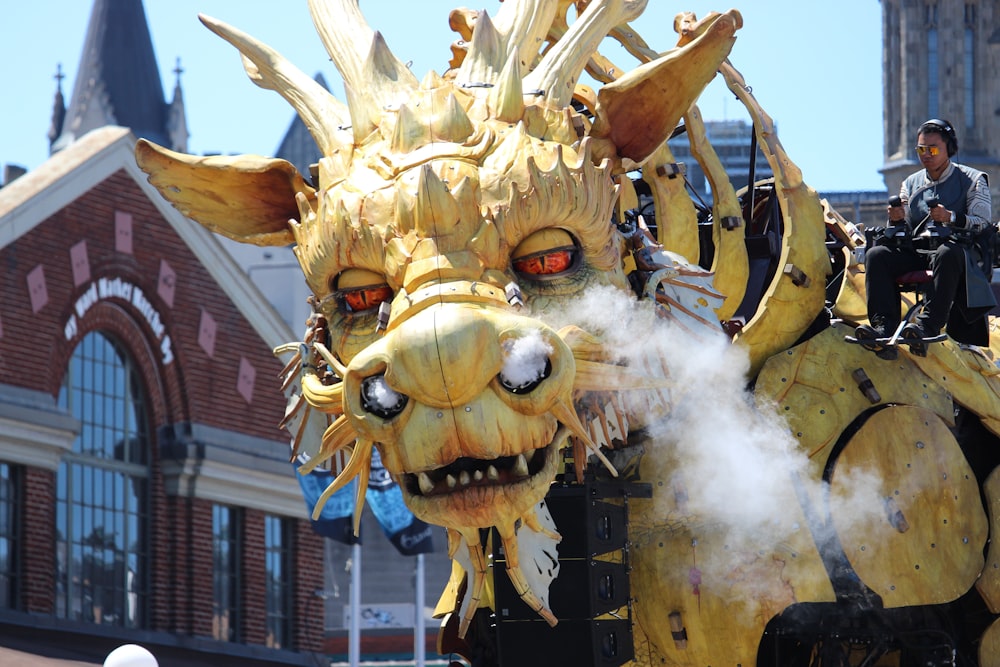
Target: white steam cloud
[
  {"x": 735, "y": 460},
  {"x": 526, "y": 358}
]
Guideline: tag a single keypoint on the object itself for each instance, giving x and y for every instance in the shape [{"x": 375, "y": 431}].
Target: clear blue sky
[{"x": 816, "y": 67}]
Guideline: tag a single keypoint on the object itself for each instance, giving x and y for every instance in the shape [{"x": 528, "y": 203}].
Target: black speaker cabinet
[
  {"x": 581, "y": 643},
  {"x": 585, "y": 588},
  {"x": 589, "y": 527}
]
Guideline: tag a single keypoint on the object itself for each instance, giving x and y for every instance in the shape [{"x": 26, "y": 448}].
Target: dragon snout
[{"x": 452, "y": 356}]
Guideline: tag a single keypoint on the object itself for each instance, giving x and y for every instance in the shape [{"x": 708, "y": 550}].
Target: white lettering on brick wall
[{"x": 121, "y": 290}]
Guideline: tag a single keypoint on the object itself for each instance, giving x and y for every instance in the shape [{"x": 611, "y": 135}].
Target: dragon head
[{"x": 445, "y": 213}]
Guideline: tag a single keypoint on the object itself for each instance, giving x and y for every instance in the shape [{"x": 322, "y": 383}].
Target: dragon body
[{"x": 491, "y": 316}]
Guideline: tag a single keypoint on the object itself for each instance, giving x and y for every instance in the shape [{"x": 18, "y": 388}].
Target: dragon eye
[
  {"x": 359, "y": 290},
  {"x": 545, "y": 254},
  {"x": 364, "y": 298},
  {"x": 547, "y": 263}
]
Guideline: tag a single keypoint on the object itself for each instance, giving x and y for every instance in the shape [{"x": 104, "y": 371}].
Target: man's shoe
[
  {"x": 868, "y": 336},
  {"x": 917, "y": 331},
  {"x": 915, "y": 335}
]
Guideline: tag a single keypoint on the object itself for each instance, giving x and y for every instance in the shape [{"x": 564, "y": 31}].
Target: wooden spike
[
  {"x": 387, "y": 80},
  {"x": 299, "y": 433},
  {"x": 431, "y": 81},
  {"x": 565, "y": 413},
  {"x": 434, "y": 206},
  {"x": 300, "y": 402},
  {"x": 486, "y": 54},
  {"x": 411, "y": 131},
  {"x": 454, "y": 124},
  {"x": 507, "y": 96},
  {"x": 600, "y": 376}
]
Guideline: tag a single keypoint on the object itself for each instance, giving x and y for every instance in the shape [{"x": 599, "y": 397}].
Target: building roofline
[{"x": 68, "y": 174}]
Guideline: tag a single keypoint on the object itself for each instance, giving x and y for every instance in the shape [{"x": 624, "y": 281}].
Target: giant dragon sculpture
[{"x": 488, "y": 305}]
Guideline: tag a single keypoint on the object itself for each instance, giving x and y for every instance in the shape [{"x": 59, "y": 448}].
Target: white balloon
[{"x": 130, "y": 655}]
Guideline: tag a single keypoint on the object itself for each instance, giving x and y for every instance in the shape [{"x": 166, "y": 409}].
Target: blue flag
[
  {"x": 408, "y": 534},
  {"x": 336, "y": 520}
]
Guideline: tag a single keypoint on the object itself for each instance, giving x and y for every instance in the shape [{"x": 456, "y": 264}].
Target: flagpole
[
  {"x": 354, "y": 632},
  {"x": 419, "y": 634}
]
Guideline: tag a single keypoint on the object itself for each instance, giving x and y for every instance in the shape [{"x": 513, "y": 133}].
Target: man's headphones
[{"x": 943, "y": 128}]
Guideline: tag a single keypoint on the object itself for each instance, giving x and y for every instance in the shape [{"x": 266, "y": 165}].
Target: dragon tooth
[
  {"x": 521, "y": 466},
  {"x": 450, "y": 481},
  {"x": 478, "y": 475},
  {"x": 425, "y": 483},
  {"x": 463, "y": 478},
  {"x": 492, "y": 474}
]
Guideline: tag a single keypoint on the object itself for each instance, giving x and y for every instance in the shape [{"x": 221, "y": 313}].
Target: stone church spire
[
  {"x": 58, "y": 108},
  {"x": 118, "y": 80},
  {"x": 176, "y": 118}
]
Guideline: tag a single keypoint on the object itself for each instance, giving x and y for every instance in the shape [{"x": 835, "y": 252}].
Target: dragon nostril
[
  {"x": 378, "y": 398},
  {"x": 527, "y": 363},
  {"x": 525, "y": 386}
]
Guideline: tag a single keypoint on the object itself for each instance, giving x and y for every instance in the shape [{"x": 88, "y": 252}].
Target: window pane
[
  {"x": 225, "y": 573},
  {"x": 277, "y": 563},
  {"x": 9, "y": 523},
  {"x": 102, "y": 506}
]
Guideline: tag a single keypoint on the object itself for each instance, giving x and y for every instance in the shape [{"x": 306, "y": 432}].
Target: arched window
[{"x": 102, "y": 494}]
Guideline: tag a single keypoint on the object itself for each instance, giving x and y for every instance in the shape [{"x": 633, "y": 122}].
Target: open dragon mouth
[{"x": 468, "y": 472}]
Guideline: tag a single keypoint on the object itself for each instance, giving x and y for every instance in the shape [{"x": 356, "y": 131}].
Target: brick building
[{"x": 145, "y": 491}]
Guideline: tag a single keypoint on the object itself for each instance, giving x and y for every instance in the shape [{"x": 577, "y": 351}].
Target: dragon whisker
[
  {"x": 338, "y": 435},
  {"x": 360, "y": 460}
]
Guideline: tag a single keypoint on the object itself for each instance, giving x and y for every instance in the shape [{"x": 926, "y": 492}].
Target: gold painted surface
[
  {"x": 725, "y": 587},
  {"x": 988, "y": 585},
  {"x": 971, "y": 376},
  {"x": 851, "y": 303},
  {"x": 730, "y": 263},
  {"x": 914, "y": 529},
  {"x": 677, "y": 221},
  {"x": 989, "y": 646},
  {"x": 812, "y": 385}
]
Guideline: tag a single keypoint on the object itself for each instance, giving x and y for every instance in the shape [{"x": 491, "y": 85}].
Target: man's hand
[
  {"x": 940, "y": 215},
  {"x": 896, "y": 213}
]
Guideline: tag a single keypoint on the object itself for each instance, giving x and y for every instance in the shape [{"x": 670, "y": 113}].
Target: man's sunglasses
[{"x": 927, "y": 150}]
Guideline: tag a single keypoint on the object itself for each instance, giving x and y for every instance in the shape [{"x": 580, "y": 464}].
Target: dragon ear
[
  {"x": 638, "y": 112},
  {"x": 245, "y": 197}
]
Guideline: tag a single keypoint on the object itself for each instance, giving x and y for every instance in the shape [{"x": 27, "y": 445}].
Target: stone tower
[{"x": 941, "y": 59}]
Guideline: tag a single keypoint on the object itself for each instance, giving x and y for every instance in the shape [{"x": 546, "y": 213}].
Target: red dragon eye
[
  {"x": 547, "y": 263},
  {"x": 364, "y": 298},
  {"x": 546, "y": 253}
]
